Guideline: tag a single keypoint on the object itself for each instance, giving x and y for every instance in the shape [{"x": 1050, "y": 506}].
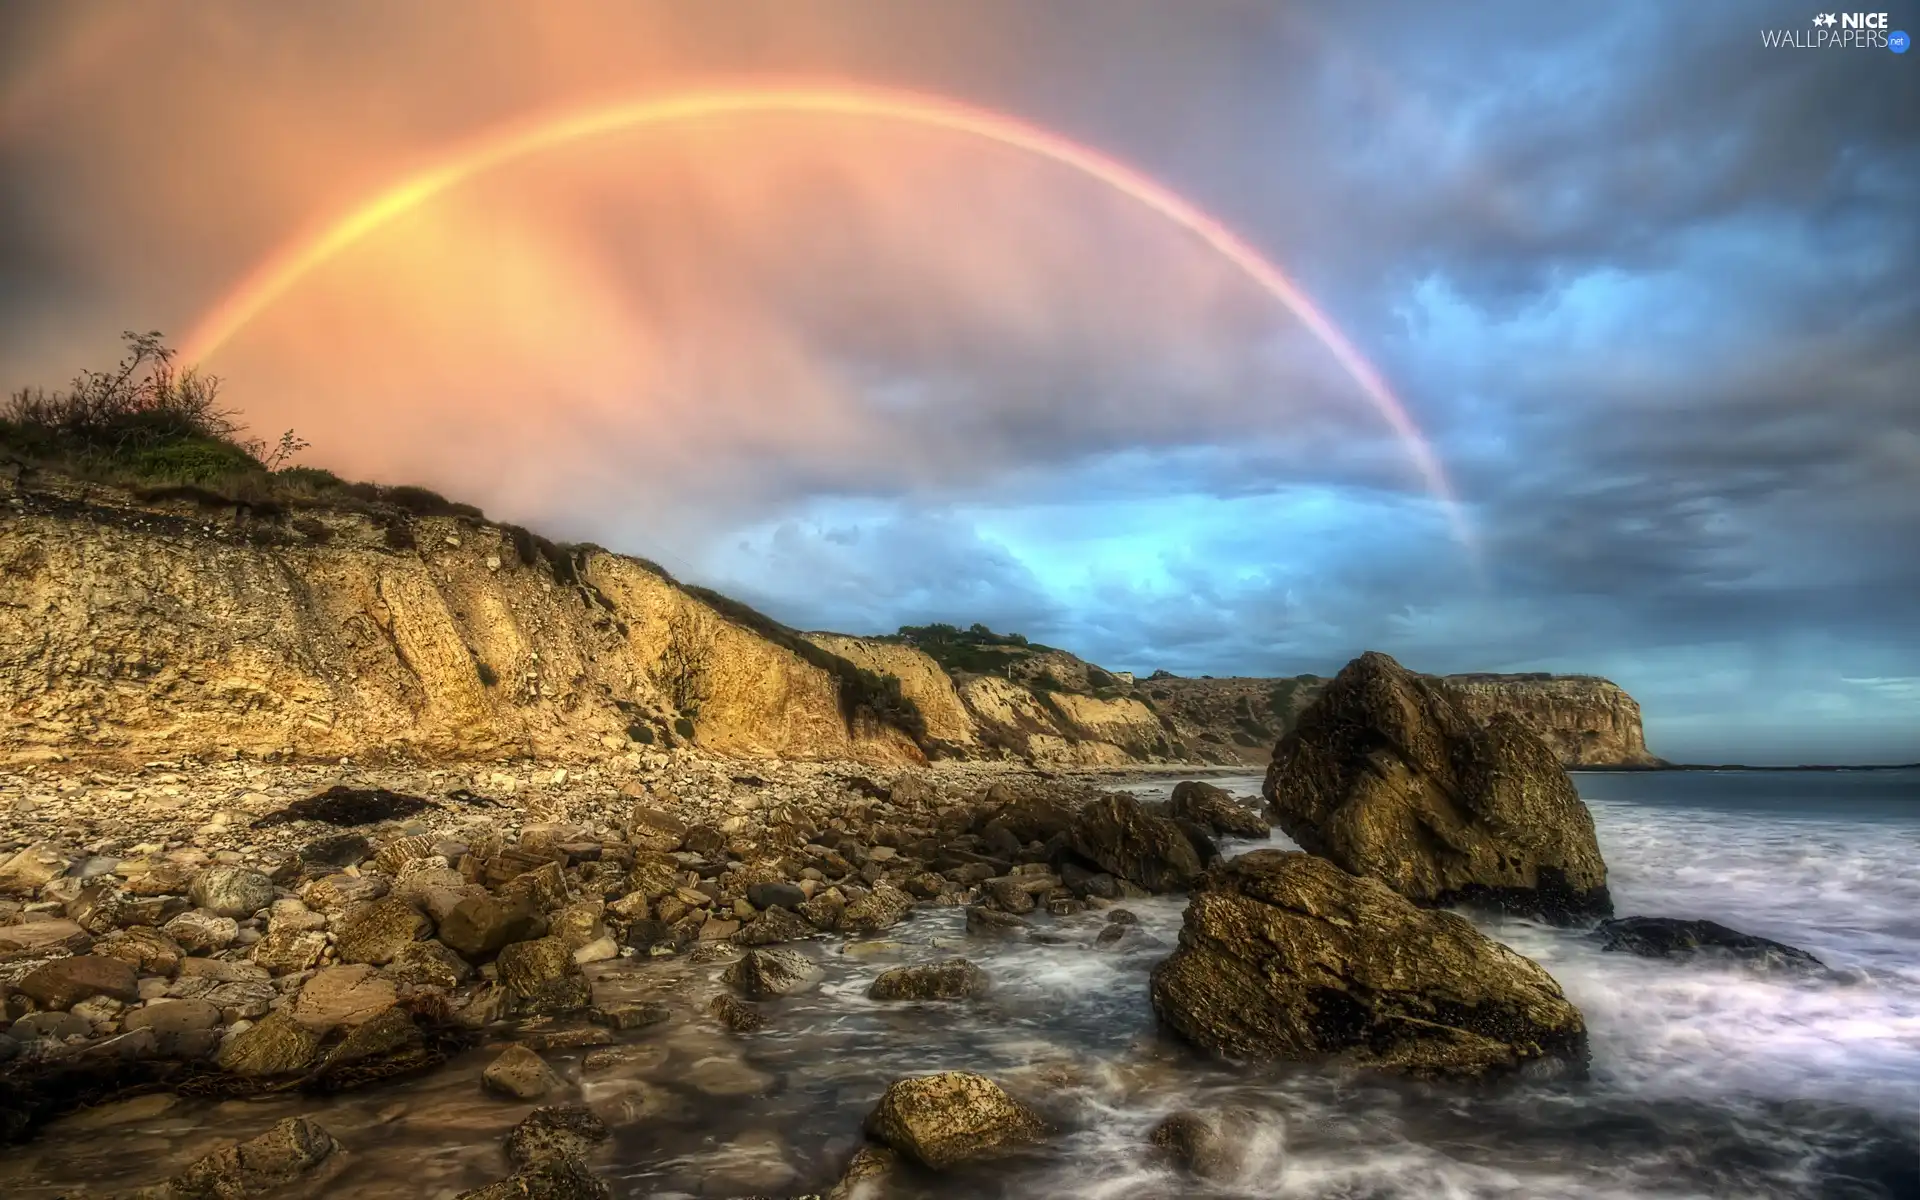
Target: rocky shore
[{"x": 262, "y": 931}]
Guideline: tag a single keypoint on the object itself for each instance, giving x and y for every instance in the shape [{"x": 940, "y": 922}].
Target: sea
[{"x": 1707, "y": 1079}]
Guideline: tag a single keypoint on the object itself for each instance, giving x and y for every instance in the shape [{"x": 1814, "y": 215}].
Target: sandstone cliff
[{"x": 134, "y": 629}]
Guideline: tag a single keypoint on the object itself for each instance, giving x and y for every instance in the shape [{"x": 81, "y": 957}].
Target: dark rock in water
[
  {"x": 1672, "y": 937},
  {"x": 1122, "y": 837},
  {"x": 987, "y": 922},
  {"x": 736, "y": 1014},
  {"x": 1210, "y": 1145},
  {"x": 556, "y": 1179},
  {"x": 764, "y": 974},
  {"x": 340, "y": 850},
  {"x": 1383, "y": 775},
  {"x": 631, "y": 1014},
  {"x": 342, "y": 805},
  {"x": 1284, "y": 955},
  {"x": 519, "y": 1073},
  {"x": 953, "y": 979},
  {"x": 945, "y": 1119},
  {"x": 773, "y": 926},
  {"x": 274, "y": 1160},
  {"x": 866, "y": 1175},
  {"x": 1215, "y": 810},
  {"x": 557, "y": 1131}
]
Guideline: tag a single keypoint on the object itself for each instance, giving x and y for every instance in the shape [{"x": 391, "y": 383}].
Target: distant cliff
[{"x": 160, "y": 622}]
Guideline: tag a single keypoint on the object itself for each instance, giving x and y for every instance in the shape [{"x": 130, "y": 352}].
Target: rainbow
[{"x": 282, "y": 269}]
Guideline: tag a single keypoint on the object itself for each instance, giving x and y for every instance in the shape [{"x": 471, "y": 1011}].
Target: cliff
[
  {"x": 132, "y": 628},
  {"x": 141, "y": 624}
]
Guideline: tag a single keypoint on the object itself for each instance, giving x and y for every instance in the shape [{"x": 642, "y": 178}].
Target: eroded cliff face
[
  {"x": 1589, "y": 722},
  {"x": 134, "y": 630},
  {"x": 921, "y": 681}
]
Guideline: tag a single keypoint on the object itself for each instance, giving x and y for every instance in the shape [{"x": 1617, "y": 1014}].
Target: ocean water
[{"x": 1707, "y": 1080}]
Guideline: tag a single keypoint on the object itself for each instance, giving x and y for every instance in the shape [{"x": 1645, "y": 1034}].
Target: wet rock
[
  {"x": 1082, "y": 882},
  {"x": 824, "y": 911},
  {"x": 390, "y": 1038},
  {"x": 1216, "y": 811},
  {"x": 631, "y": 1014},
  {"x": 519, "y": 1073},
  {"x": 1122, "y": 837},
  {"x": 952, "y": 979},
  {"x": 276, "y": 1045},
  {"x": 554, "y": 1132},
  {"x": 866, "y": 1174},
  {"x": 428, "y": 964},
  {"x": 65, "y": 982},
  {"x": 345, "y": 995},
  {"x": 201, "y": 932},
  {"x": 1209, "y": 1145},
  {"x": 764, "y": 974},
  {"x": 881, "y": 908},
  {"x": 230, "y": 891},
  {"x": 480, "y": 926},
  {"x": 559, "y": 1179},
  {"x": 1672, "y": 937},
  {"x": 772, "y": 926},
  {"x": 149, "y": 951},
  {"x": 527, "y": 968},
  {"x": 376, "y": 933},
  {"x": 735, "y": 1014},
  {"x": 1006, "y": 895},
  {"x": 344, "y": 806},
  {"x": 1284, "y": 955},
  {"x": 1385, "y": 777},
  {"x": 985, "y": 922},
  {"x": 289, "y": 951},
  {"x": 278, "y": 1158},
  {"x": 945, "y": 1119}
]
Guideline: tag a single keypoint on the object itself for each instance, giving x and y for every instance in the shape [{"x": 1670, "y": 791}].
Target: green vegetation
[{"x": 977, "y": 650}]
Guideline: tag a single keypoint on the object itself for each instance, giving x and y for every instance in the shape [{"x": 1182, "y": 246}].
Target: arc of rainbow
[{"x": 277, "y": 273}]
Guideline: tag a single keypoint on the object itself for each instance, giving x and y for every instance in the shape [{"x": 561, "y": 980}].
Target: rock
[
  {"x": 396, "y": 855},
  {"x": 879, "y": 909},
  {"x": 527, "y": 967},
  {"x": 772, "y": 926},
  {"x": 651, "y": 829},
  {"x": 378, "y": 1047},
  {"x": 519, "y": 1073},
  {"x": 56, "y": 1026},
  {"x": 65, "y": 982},
  {"x": 42, "y": 937},
  {"x": 188, "y": 1029},
  {"x": 26, "y": 871},
  {"x": 376, "y": 933},
  {"x": 155, "y": 876},
  {"x": 775, "y": 895},
  {"x": 985, "y": 922},
  {"x": 866, "y": 1174},
  {"x": 952, "y": 979},
  {"x": 149, "y": 951},
  {"x": 340, "y": 850},
  {"x": 556, "y": 1131},
  {"x": 345, "y": 995},
  {"x": 824, "y": 911},
  {"x": 290, "y": 951},
  {"x": 1006, "y": 895},
  {"x": 1122, "y": 837},
  {"x": 1216, "y": 811},
  {"x": 945, "y": 1119},
  {"x": 231, "y": 891},
  {"x": 764, "y": 974},
  {"x": 343, "y": 893},
  {"x": 201, "y": 932},
  {"x": 1209, "y": 1145},
  {"x": 276, "y": 1045},
  {"x": 427, "y": 964},
  {"x": 1383, "y": 775},
  {"x": 276, "y": 1159},
  {"x": 631, "y": 1014},
  {"x": 98, "y": 908},
  {"x": 736, "y": 1014},
  {"x": 480, "y": 926},
  {"x": 558, "y": 1179},
  {"x": 600, "y": 949},
  {"x": 1284, "y": 955},
  {"x": 1671, "y": 937}
]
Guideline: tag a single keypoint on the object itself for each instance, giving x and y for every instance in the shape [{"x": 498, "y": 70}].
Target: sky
[{"x": 1649, "y": 290}]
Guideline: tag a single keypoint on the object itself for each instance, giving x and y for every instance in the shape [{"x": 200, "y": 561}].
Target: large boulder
[
  {"x": 949, "y": 979},
  {"x": 764, "y": 974},
  {"x": 1123, "y": 838},
  {"x": 1216, "y": 811},
  {"x": 945, "y": 1119},
  {"x": 268, "y": 1163},
  {"x": 1285, "y": 956},
  {"x": 1383, "y": 775}
]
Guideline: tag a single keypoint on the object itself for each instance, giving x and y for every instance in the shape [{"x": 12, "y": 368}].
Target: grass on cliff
[{"x": 977, "y": 650}]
